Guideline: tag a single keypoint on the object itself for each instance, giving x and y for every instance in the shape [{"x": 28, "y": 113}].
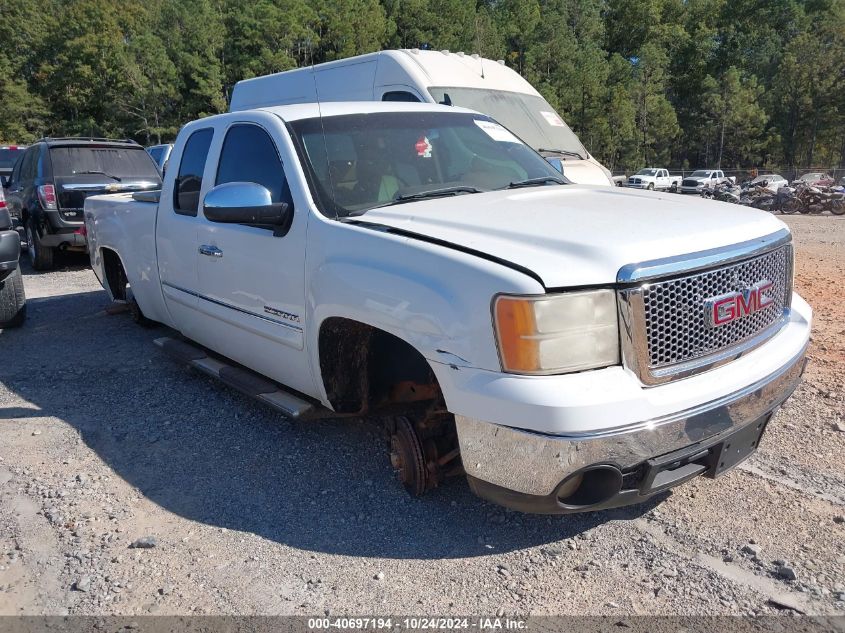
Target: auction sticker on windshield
[
  {"x": 496, "y": 131},
  {"x": 423, "y": 147},
  {"x": 552, "y": 118}
]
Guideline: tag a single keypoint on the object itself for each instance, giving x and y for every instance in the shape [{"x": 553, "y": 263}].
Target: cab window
[
  {"x": 400, "y": 95},
  {"x": 249, "y": 155},
  {"x": 186, "y": 191}
]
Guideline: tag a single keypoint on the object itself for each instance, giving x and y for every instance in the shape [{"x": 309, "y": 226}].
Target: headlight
[{"x": 560, "y": 333}]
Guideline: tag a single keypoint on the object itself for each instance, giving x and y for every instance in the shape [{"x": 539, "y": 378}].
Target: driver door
[{"x": 251, "y": 282}]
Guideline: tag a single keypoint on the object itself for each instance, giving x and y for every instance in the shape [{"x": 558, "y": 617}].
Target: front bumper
[
  {"x": 527, "y": 471},
  {"x": 697, "y": 190}
]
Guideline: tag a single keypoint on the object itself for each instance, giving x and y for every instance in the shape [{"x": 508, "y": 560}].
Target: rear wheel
[
  {"x": 12, "y": 300},
  {"x": 837, "y": 207},
  {"x": 41, "y": 257},
  {"x": 135, "y": 311}
]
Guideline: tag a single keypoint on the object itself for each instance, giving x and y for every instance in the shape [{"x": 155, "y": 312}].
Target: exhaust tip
[{"x": 589, "y": 487}]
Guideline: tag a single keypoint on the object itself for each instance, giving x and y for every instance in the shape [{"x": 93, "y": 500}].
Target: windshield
[
  {"x": 122, "y": 162},
  {"x": 360, "y": 161},
  {"x": 700, "y": 173},
  {"x": 9, "y": 156},
  {"x": 646, "y": 172},
  {"x": 813, "y": 176},
  {"x": 530, "y": 117}
]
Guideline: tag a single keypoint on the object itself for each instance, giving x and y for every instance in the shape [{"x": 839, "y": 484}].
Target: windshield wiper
[
  {"x": 437, "y": 193},
  {"x": 101, "y": 173},
  {"x": 534, "y": 182},
  {"x": 422, "y": 195},
  {"x": 565, "y": 152}
]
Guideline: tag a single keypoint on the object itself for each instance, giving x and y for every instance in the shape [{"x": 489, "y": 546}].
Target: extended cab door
[
  {"x": 252, "y": 281},
  {"x": 176, "y": 228}
]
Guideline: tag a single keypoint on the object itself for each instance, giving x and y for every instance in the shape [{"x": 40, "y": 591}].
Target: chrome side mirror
[{"x": 246, "y": 203}]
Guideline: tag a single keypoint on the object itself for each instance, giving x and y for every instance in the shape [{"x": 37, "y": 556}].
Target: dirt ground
[{"x": 104, "y": 441}]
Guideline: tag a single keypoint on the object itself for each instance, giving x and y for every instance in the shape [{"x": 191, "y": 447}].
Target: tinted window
[
  {"x": 122, "y": 162},
  {"x": 400, "y": 95},
  {"x": 186, "y": 192},
  {"x": 156, "y": 153},
  {"x": 9, "y": 156},
  {"x": 28, "y": 164},
  {"x": 249, "y": 155}
]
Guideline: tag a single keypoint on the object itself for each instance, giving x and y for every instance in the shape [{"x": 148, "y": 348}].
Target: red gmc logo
[{"x": 729, "y": 307}]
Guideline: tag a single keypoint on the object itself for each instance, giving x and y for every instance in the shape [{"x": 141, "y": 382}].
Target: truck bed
[{"x": 124, "y": 224}]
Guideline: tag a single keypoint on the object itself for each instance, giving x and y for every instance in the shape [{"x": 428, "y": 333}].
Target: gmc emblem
[{"x": 729, "y": 307}]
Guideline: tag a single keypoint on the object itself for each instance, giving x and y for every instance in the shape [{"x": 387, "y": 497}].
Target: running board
[{"x": 245, "y": 381}]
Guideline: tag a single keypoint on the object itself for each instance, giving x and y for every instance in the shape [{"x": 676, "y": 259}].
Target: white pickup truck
[
  {"x": 654, "y": 179},
  {"x": 701, "y": 178},
  {"x": 565, "y": 347}
]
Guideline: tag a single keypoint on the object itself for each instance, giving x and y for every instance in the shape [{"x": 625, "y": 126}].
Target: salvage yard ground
[{"x": 104, "y": 441}]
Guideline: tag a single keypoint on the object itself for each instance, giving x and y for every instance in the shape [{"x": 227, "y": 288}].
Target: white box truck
[{"x": 414, "y": 75}]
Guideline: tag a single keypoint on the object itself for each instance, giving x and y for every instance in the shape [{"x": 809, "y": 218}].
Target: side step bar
[{"x": 253, "y": 385}]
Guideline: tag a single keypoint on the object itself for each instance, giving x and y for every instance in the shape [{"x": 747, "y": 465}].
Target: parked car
[
  {"x": 160, "y": 154},
  {"x": 654, "y": 178},
  {"x": 815, "y": 179},
  {"x": 9, "y": 154},
  {"x": 772, "y": 182},
  {"x": 455, "y": 79},
  {"x": 54, "y": 176},
  {"x": 12, "y": 297},
  {"x": 701, "y": 178},
  {"x": 373, "y": 259}
]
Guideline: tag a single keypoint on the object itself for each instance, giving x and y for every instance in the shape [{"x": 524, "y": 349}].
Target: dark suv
[
  {"x": 12, "y": 299},
  {"x": 51, "y": 180}
]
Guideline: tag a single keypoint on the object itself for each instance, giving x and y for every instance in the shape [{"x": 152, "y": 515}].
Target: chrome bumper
[{"x": 535, "y": 464}]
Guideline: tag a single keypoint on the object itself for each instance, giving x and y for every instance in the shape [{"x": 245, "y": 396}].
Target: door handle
[{"x": 211, "y": 251}]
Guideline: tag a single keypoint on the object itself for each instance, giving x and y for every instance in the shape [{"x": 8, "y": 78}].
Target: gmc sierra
[{"x": 565, "y": 347}]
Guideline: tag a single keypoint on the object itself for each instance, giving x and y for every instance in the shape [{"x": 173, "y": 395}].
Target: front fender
[
  {"x": 420, "y": 309},
  {"x": 435, "y": 298}
]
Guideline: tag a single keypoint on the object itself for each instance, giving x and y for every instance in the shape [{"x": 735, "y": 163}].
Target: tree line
[{"x": 740, "y": 83}]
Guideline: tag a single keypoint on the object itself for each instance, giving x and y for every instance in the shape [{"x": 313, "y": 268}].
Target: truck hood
[{"x": 575, "y": 235}]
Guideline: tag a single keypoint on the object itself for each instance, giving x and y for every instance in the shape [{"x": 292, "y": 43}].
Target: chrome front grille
[{"x": 667, "y": 325}]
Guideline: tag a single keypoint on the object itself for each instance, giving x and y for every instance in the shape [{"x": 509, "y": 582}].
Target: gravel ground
[{"x": 130, "y": 485}]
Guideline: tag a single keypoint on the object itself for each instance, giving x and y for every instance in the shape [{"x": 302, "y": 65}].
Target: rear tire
[
  {"x": 838, "y": 207},
  {"x": 12, "y": 300},
  {"x": 41, "y": 257},
  {"x": 135, "y": 311}
]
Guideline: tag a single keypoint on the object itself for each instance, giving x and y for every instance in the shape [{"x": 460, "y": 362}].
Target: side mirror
[{"x": 246, "y": 203}]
